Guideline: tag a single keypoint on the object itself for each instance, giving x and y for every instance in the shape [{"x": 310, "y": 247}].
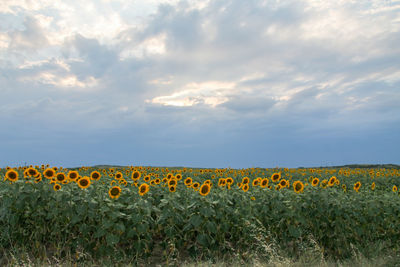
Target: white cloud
[
  {"x": 63, "y": 82},
  {"x": 151, "y": 46},
  {"x": 211, "y": 93}
]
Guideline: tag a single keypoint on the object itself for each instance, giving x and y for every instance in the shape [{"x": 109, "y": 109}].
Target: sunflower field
[{"x": 143, "y": 211}]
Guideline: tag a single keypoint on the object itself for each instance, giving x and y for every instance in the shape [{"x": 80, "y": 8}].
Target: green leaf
[
  {"x": 112, "y": 239},
  {"x": 211, "y": 227},
  {"x": 196, "y": 220},
  {"x": 119, "y": 227},
  {"x": 142, "y": 228},
  {"x": 99, "y": 233},
  {"x": 75, "y": 219},
  {"x": 294, "y": 231},
  {"x": 202, "y": 240}
]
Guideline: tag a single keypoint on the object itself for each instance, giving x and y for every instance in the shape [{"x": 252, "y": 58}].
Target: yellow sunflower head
[
  {"x": 56, "y": 187},
  {"x": 118, "y": 175},
  {"x": 31, "y": 172},
  {"x": 60, "y": 177},
  {"x": 136, "y": 175},
  {"x": 275, "y": 177},
  {"x": 245, "y": 187},
  {"x": 172, "y": 188},
  {"x": 188, "y": 181},
  {"x": 95, "y": 175},
  {"x": 205, "y": 189},
  {"x": 196, "y": 186},
  {"x": 143, "y": 189},
  {"x": 84, "y": 182},
  {"x": 12, "y": 175},
  {"x": 357, "y": 186},
  {"x": 264, "y": 183},
  {"x": 283, "y": 183},
  {"x": 114, "y": 192},
  {"x": 298, "y": 186},
  {"x": 73, "y": 175},
  {"x": 332, "y": 181}
]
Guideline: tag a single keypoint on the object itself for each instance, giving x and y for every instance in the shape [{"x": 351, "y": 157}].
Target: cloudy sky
[{"x": 199, "y": 83}]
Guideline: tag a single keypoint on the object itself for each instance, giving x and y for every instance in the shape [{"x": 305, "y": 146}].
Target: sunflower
[
  {"x": 136, "y": 175},
  {"x": 264, "y": 183},
  {"x": 143, "y": 189},
  {"x": 38, "y": 179},
  {"x": 332, "y": 181},
  {"x": 56, "y": 187},
  {"x": 119, "y": 175},
  {"x": 147, "y": 178},
  {"x": 357, "y": 186},
  {"x": 84, "y": 182},
  {"x": 298, "y": 186},
  {"x": 229, "y": 180},
  {"x": 60, "y": 177},
  {"x": 276, "y": 177},
  {"x": 188, "y": 181},
  {"x": 169, "y": 175},
  {"x": 31, "y": 172},
  {"x": 172, "y": 182},
  {"x": 95, "y": 175},
  {"x": 394, "y": 188},
  {"x": 73, "y": 175},
  {"x": 157, "y": 180},
  {"x": 205, "y": 189},
  {"x": 344, "y": 187},
  {"x": 196, "y": 186},
  {"x": 172, "y": 188},
  {"x": 283, "y": 183},
  {"x": 114, "y": 192},
  {"x": 315, "y": 182},
  {"x": 245, "y": 187},
  {"x": 221, "y": 182},
  {"x": 245, "y": 180},
  {"x": 324, "y": 183},
  {"x": 178, "y": 176},
  {"x": 256, "y": 182},
  {"x": 12, "y": 175},
  {"x": 373, "y": 186},
  {"x": 207, "y": 182},
  {"x": 278, "y": 187}
]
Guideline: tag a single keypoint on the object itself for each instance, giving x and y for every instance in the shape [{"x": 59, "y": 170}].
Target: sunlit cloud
[{"x": 210, "y": 93}]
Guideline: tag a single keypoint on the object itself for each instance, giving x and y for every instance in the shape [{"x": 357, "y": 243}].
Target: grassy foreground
[
  {"x": 160, "y": 216},
  {"x": 310, "y": 258}
]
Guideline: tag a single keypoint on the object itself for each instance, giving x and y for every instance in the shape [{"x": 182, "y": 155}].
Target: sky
[{"x": 214, "y": 84}]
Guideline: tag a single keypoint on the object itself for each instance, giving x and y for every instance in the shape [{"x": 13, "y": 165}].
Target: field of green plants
[{"x": 147, "y": 212}]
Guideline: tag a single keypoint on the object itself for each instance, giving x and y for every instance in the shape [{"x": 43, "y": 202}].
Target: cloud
[
  {"x": 31, "y": 38},
  {"x": 203, "y": 75}
]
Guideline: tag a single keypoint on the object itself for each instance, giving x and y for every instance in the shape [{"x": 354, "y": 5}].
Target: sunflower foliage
[{"x": 140, "y": 212}]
